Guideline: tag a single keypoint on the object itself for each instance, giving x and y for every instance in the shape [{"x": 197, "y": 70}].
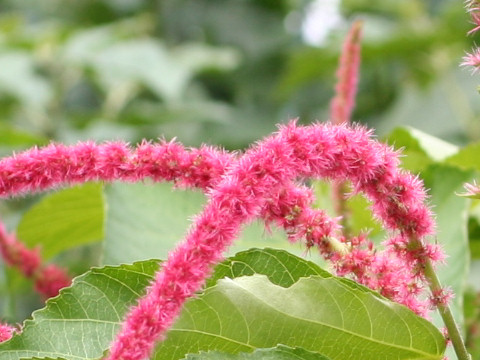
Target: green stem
[
  {"x": 446, "y": 314},
  {"x": 340, "y": 203}
]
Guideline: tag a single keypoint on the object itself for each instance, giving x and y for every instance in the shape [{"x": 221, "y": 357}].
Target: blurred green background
[{"x": 226, "y": 71}]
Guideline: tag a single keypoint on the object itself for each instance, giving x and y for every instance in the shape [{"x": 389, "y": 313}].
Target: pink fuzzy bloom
[
  {"x": 472, "y": 59},
  {"x": 347, "y": 77},
  {"x": 338, "y": 153},
  {"x": 6, "y": 332},
  {"x": 383, "y": 271},
  {"x": 17, "y": 255},
  {"x": 55, "y": 165},
  {"x": 441, "y": 297},
  {"x": 48, "y": 280}
]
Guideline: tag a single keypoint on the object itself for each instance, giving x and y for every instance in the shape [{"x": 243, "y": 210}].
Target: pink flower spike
[
  {"x": 17, "y": 255},
  {"x": 347, "y": 77},
  {"x": 246, "y": 189},
  {"x": 6, "y": 332},
  {"x": 441, "y": 297},
  {"x": 48, "y": 279}
]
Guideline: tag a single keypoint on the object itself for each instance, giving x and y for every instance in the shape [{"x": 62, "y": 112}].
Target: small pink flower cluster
[
  {"x": 473, "y": 59},
  {"x": 6, "y": 332},
  {"x": 471, "y": 190},
  {"x": 48, "y": 279}
]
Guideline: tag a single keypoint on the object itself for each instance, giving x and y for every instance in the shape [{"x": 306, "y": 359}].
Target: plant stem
[{"x": 446, "y": 314}]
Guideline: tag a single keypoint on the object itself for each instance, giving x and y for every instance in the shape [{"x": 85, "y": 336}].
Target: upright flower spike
[
  {"x": 347, "y": 76},
  {"x": 342, "y": 104},
  {"x": 317, "y": 151}
]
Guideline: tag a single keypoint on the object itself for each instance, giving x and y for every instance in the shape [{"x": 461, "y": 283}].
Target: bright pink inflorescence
[
  {"x": 473, "y": 59},
  {"x": 260, "y": 183},
  {"x": 48, "y": 279},
  {"x": 6, "y": 332},
  {"x": 347, "y": 77}
]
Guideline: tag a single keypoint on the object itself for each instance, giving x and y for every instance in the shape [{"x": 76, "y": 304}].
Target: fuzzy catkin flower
[
  {"x": 6, "y": 332},
  {"x": 342, "y": 105},
  {"x": 48, "y": 279},
  {"x": 56, "y": 165},
  {"x": 338, "y": 153},
  {"x": 347, "y": 77},
  {"x": 17, "y": 255}
]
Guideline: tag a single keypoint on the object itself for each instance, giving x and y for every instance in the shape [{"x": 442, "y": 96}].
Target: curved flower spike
[{"x": 319, "y": 151}]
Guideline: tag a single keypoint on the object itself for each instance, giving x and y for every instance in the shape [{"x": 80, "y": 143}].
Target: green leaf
[
  {"x": 80, "y": 323},
  {"x": 466, "y": 158},
  {"x": 452, "y": 221},
  {"x": 318, "y": 314},
  {"x": 146, "y": 221},
  {"x": 332, "y": 316},
  {"x": 419, "y": 149},
  {"x": 359, "y": 214},
  {"x": 277, "y": 353},
  {"x": 37, "y": 358},
  {"x": 65, "y": 219},
  {"x": 281, "y": 267},
  {"x": 415, "y": 157},
  {"x": 11, "y": 137},
  {"x": 159, "y": 218}
]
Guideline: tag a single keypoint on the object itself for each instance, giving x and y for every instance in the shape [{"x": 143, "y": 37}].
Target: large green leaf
[
  {"x": 16, "y": 138},
  {"x": 277, "y": 353},
  {"x": 65, "y": 219},
  {"x": 318, "y": 314},
  {"x": 145, "y": 221},
  {"x": 159, "y": 217},
  {"x": 332, "y": 316},
  {"x": 359, "y": 217},
  {"x": 419, "y": 149},
  {"x": 281, "y": 267},
  {"x": 466, "y": 158},
  {"x": 79, "y": 324}
]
